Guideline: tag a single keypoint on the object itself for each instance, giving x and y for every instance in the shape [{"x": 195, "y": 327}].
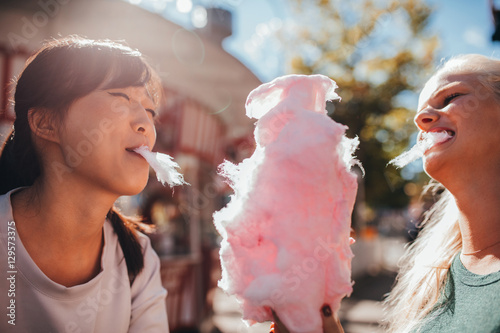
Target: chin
[
  {"x": 435, "y": 170},
  {"x": 430, "y": 171},
  {"x": 135, "y": 191},
  {"x": 442, "y": 164},
  {"x": 135, "y": 186}
]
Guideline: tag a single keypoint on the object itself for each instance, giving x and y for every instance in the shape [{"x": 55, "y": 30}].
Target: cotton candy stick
[
  {"x": 163, "y": 165},
  {"x": 428, "y": 140},
  {"x": 286, "y": 244}
]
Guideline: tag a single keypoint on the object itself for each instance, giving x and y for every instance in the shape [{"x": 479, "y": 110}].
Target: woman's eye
[
  {"x": 449, "y": 98},
  {"x": 119, "y": 94}
]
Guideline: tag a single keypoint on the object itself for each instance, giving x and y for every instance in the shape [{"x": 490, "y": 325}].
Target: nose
[
  {"x": 426, "y": 118},
  {"x": 141, "y": 122}
]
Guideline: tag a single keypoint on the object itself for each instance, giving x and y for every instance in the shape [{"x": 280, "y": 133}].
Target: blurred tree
[{"x": 379, "y": 53}]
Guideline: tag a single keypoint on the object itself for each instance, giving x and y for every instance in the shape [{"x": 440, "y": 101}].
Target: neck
[
  {"x": 61, "y": 227},
  {"x": 62, "y": 215},
  {"x": 479, "y": 214}
]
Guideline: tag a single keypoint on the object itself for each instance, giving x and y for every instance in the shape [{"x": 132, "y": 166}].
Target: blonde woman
[
  {"x": 450, "y": 277},
  {"x": 450, "y": 280}
]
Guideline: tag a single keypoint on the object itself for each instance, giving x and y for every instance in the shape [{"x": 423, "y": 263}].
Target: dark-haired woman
[{"x": 72, "y": 262}]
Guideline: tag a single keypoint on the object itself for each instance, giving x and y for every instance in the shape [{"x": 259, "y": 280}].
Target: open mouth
[
  {"x": 439, "y": 134},
  {"x": 434, "y": 138},
  {"x": 131, "y": 150},
  {"x": 450, "y": 133}
]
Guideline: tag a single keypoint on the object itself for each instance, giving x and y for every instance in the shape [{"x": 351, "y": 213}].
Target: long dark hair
[{"x": 62, "y": 71}]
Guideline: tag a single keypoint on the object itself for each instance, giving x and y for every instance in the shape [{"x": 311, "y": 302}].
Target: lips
[
  {"x": 129, "y": 150},
  {"x": 435, "y": 137},
  {"x": 442, "y": 129},
  {"x": 448, "y": 131},
  {"x": 132, "y": 149}
]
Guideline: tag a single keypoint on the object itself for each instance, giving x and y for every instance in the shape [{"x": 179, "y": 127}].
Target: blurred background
[{"x": 210, "y": 54}]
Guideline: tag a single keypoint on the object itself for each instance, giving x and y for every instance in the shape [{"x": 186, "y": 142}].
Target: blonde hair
[
  {"x": 424, "y": 267},
  {"x": 486, "y": 70}
]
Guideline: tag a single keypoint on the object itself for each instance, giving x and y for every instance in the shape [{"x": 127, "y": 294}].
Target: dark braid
[{"x": 125, "y": 229}]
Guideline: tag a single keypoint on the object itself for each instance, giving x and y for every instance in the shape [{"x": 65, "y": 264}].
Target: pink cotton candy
[{"x": 286, "y": 229}]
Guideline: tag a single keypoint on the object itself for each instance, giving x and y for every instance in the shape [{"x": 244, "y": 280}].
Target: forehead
[
  {"x": 443, "y": 80},
  {"x": 139, "y": 90}
]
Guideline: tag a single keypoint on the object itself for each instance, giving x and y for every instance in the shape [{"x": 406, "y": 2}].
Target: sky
[
  {"x": 463, "y": 26},
  {"x": 249, "y": 16}
]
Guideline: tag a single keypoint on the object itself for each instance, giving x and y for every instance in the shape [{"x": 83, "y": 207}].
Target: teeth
[{"x": 450, "y": 133}]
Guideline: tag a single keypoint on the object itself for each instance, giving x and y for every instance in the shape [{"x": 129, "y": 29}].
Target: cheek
[
  {"x": 469, "y": 106},
  {"x": 118, "y": 110},
  {"x": 87, "y": 140}
]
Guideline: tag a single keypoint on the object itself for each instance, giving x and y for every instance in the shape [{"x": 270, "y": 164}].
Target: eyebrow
[
  {"x": 441, "y": 91},
  {"x": 146, "y": 93}
]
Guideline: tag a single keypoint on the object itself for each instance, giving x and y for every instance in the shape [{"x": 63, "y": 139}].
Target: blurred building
[{"x": 202, "y": 121}]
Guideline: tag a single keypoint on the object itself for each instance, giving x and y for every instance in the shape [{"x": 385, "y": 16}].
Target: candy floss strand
[
  {"x": 428, "y": 140},
  {"x": 163, "y": 165},
  {"x": 285, "y": 232}
]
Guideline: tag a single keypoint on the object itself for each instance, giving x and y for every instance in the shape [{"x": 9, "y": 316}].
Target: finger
[
  {"x": 331, "y": 323},
  {"x": 279, "y": 327}
]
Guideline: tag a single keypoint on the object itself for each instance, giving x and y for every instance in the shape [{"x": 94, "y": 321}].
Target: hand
[{"x": 331, "y": 322}]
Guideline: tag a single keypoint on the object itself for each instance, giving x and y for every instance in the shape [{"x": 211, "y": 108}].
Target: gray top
[
  {"x": 107, "y": 303},
  {"x": 470, "y": 303}
]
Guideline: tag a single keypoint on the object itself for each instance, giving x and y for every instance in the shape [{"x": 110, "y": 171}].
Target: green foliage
[{"x": 377, "y": 52}]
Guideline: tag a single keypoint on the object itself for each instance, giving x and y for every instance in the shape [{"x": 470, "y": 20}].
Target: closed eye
[
  {"x": 153, "y": 112},
  {"x": 449, "y": 98},
  {"x": 119, "y": 94}
]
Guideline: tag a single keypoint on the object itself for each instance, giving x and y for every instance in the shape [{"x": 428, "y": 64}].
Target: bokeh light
[
  {"x": 199, "y": 17},
  {"x": 184, "y": 6}
]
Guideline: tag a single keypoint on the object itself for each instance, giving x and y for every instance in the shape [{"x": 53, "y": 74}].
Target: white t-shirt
[{"x": 107, "y": 303}]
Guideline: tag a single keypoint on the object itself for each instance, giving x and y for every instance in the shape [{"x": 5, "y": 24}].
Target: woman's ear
[{"x": 43, "y": 125}]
